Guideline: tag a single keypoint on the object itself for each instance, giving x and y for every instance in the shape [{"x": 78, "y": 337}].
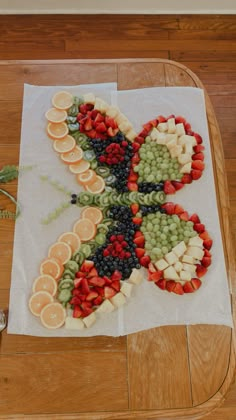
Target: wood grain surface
[{"x": 190, "y": 368}]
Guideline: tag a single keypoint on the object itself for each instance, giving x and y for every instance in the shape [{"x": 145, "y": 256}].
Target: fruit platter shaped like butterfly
[{"x": 125, "y": 225}]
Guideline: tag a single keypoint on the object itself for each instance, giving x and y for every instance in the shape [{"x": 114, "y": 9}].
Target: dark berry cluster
[
  {"x": 118, "y": 252},
  {"x": 147, "y": 187},
  {"x": 151, "y": 209},
  {"x": 117, "y": 158}
]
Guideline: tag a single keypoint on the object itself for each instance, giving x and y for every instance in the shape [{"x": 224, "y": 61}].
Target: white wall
[{"x": 118, "y": 6}]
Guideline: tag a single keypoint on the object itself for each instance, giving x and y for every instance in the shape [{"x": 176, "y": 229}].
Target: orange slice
[
  {"x": 64, "y": 145},
  {"x": 38, "y": 301},
  {"x": 53, "y": 315},
  {"x": 85, "y": 229},
  {"x": 62, "y": 100},
  {"x": 56, "y": 115},
  {"x": 57, "y": 131},
  {"x": 74, "y": 156},
  {"x": 52, "y": 267},
  {"x": 79, "y": 168},
  {"x": 61, "y": 251},
  {"x": 87, "y": 177},
  {"x": 72, "y": 239},
  {"x": 45, "y": 283},
  {"x": 92, "y": 213},
  {"x": 97, "y": 186}
]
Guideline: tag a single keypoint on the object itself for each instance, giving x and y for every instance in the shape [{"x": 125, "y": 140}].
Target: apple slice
[
  {"x": 196, "y": 241},
  {"x": 195, "y": 252},
  {"x": 161, "y": 264},
  {"x": 171, "y": 258},
  {"x": 179, "y": 249},
  {"x": 171, "y": 274}
]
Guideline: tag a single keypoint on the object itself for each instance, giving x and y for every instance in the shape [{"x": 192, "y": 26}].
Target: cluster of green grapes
[
  {"x": 156, "y": 163},
  {"x": 162, "y": 232}
]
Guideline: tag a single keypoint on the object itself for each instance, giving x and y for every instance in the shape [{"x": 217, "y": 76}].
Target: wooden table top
[{"x": 167, "y": 372}]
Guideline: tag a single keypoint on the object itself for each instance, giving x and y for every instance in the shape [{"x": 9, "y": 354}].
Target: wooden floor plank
[
  {"x": 207, "y": 22},
  {"x": 203, "y": 35}
]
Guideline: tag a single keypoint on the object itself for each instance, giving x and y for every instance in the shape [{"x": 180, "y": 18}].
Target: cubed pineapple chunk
[
  {"x": 125, "y": 126},
  {"x": 131, "y": 134},
  {"x": 136, "y": 276},
  {"x": 185, "y": 276},
  {"x": 178, "y": 266},
  {"x": 74, "y": 323},
  {"x": 105, "y": 307},
  {"x": 184, "y": 158},
  {"x": 170, "y": 137},
  {"x": 126, "y": 288},
  {"x": 171, "y": 125},
  {"x": 90, "y": 320},
  {"x": 112, "y": 111},
  {"x": 195, "y": 252},
  {"x": 179, "y": 249},
  {"x": 186, "y": 169},
  {"x": 121, "y": 118},
  {"x": 89, "y": 98},
  {"x": 175, "y": 151},
  {"x": 188, "y": 148},
  {"x": 161, "y": 264},
  {"x": 188, "y": 259},
  {"x": 191, "y": 268},
  {"x": 171, "y": 274},
  {"x": 162, "y": 127},
  {"x": 101, "y": 105},
  {"x": 196, "y": 241},
  {"x": 180, "y": 129},
  {"x": 118, "y": 300},
  {"x": 187, "y": 139},
  {"x": 171, "y": 258}
]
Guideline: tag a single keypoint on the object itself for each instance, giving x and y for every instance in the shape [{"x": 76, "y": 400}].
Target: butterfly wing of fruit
[{"x": 168, "y": 156}]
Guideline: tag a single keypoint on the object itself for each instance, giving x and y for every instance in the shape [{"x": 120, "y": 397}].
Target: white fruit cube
[
  {"x": 130, "y": 135},
  {"x": 184, "y": 158},
  {"x": 189, "y": 267},
  {"x": 175, "y": 151},
  {"x": 112, "y": 111},
  {"x": 171, "y": 125},
  {"x": 196, "y": 241},
  {"x": 126, "y": 288},
  {"x": 156, "y": 135},
  {"x": 185, "y": 275},
  {"x": 171, "y": 144},
  {"x": 171, "y": 274},
  {"x": 101, "y": 105},
  {"x": 188, "y": 259},
  {"x": 180, "y": 130},
  {"x": 89, "y": 98},
  {"x": 186, "y": 169},
  {"x": 153, "y": 133},
  {"x": 171, "y": 258},
  {"x": 179, "y": 249},
  {"x": 73, "y": 323},
  {"x": 170, "y": 137},
  {"x": 195, "y": 252},
  {"x": 105, "y": 307},
  {"x": 161, "y": 264},
  {"x": 187, "y": 139},
  {"x": 178, "y": 266},
  {"x": 188, "y": 148},
  {"x": 162, "y": 127},
  {"x": 90, "y": 320},
  {"x": 136, "y": 276},
  {"x": 121, "y": 118},
  {"x": 118, "y": 300},
  {"x": 125, "y": 126}
]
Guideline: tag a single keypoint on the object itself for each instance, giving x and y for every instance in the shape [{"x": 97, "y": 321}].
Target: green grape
[
  {"x": 164, "y": 250},
  {"x": 156, "y": 251},
  {"x": 153, "y": 242},
  {"x": 148, "y": 246},
  {"x": 173, "y": 226},
  {"x": 186, "y": 234},
  {"x": 155, "y": 221},
  {"x": 150, "y": 178},
  {"x": 174, "y": 238},
  {"x": 149, "y": 227},
  {"x": 165, "y": 229},
  {"x": 156, "y": 228},
  {"x": 165, "y": 177},
  {"x": 163, "y": 236},
  {"x": 163, "y": 222}
]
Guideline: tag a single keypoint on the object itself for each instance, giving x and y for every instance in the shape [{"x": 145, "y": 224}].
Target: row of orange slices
[{"x": 42, "y": 304}]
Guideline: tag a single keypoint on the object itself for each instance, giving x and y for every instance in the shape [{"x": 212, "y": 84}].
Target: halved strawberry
[
  {"x": 138, "y": 233},
  {"x": 151, "y": 268},
  {"x": 170, "y": 116},
  {"x": 109, "y": 292},
  {"x": 198, "y": 164},
  {"x": 97, "y": 281},
  {"x": 88, "y": 124},
  {"x": 139, "y": 139},
  {"x": 77, "y": 312},
  {"x": 196, "y": 283},
  {"x": 137, "y": 220},
  {"x": 91, "y": 133},
  {"x": 188, "y": 128},
  {"x": 207, "y": 253},
  {"x": 87, "y": 266},
  {"x": 110, "y": 122},
  {"x": 169, "y": 187},
  {"x": 198, "y": 138},
  {"x": 101, "y": 127},
  {"x": 170, "y": 284},
  {"x": 178, "y": 209},
  {"x": 139, "y": 252},
  {"x": 196, "y": 174},
  {"x": 186, "y": 179},
  {"x": 135, "y": 158},
  {"x": 169, "y": 207},
  {"x": 198, "y": 156},
  {"x": 139, "y": 241},
  {"x": 92, "y": 295},
  {"x": 178, "y": 289},
  {"x": 144, "y": 261},
  {"x": 153, "y": 122},
  {"x": 134, "y": 208},
  {"x": 98, "y": 301},
  {"x": 148, "y": 126},
  {"x": 92, "y": 273},
  {"x": 199, "y": 227},
  {"x": 207, "y": 243},
  {"x": 100, "y": 290},
  {"x": 116, "y": 276},
  {"x": 144, "y": 133},
  {"x": 188, "y": 287},
  {"x": 83, "y": 108},
  {"x": 206, "y": 261},
  {"x": 199, "y": 148},
  {"x": 184, "y": 216},
  {"x": 99, "y": 118},
  {"x": 84, "y": 286},
  {"x": 75, "y": 300},
  {"x": 86, "y": 308},
  {"x": 132, "y": 186},
  {"x": 136, "y": 146},
  {"x": 161, "y": 284},
  {"x": 161, "y": 119},
  {"x": 108, "y": 281},
  {"x": 133, "y": 176},
  {"x": 194, "y": 218},
  {"x": 77, "y": 282},
  {"x": 112, "y": 131},
  {"x": 116, "y": 285},
  {"x": 178, "y": 185},
  {"x": 200, "y": 270},
  {"x": 179, "y": 119},
  {"x": 157, "y": 275},
  {"x": 205, "y": 235}
]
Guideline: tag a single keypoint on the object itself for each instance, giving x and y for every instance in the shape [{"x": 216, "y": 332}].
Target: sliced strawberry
[
  {"x": 144, "y": 133},
  {"x": 140, "y": 241},
  {"x": 148, "y": 126},
  {"x": 206, "y": 261},
  {"x": 98, "y": 301},
  {"x": 77, "y": 282},
  {"x": 187, "y": 128},
  {"x": 109, "y": 292},
  {"x": 132, "y": 186},
  {"x": 92, "y": 273},
  {"x": 135, "y": 158},
  {"x": 100, "y": 291},
  {"x": 92, "y": 295},
  {"x": 207, "y": 253},
  {"x": 169, "y": 207},
  {"x": 153, "y": 122},
  {"x": 76, "y": 292},
  {"x": 194, "y": 218},
  {"x": 97, "y": 281},
  {"x": 151, "y": 268},
  {"x": 112, "y": 131},
  {"x": 178, "y": 185},
  {"x": 200, "y": 270},
  {"x": 196, "y": 174},
  {"x": 80, "y": 274},
  {"x": 198, "y": 156},
  {"x": 186, "y": 179},
  {"x": 88, "y": 124},
  {"x": 199, "y": 148},
  {"x": 116, "y": 285},
  {"x": 84, "y": 286},
  {"x": 196, "y": 283},
  {"x": 161, "y": 119},
  {"x": 116, "y": 276},
  {"x": 139, "y": 139},
  {"x": 138, "y": 233},
  {"x": 144, "y": 261},
  {"x": 205, "y": 235},
  {"x": 86, "y": 309},
  {"x": 169, "y": 188},
  {"x": 184, "y": 216},
  {"x": 107, "y": 280},
  {"x": 170, "y": 116},
  {"x": 178, "y": 289},
  {"x": 207, "y": 243},
  {"x": 137, "y": 220},
  {"x": 92, "y": 134},
  {"x": 161, "y": 284},
  {"x": 136, "y": 146},
  {"x": 199, "y": 227},
  {"x": 134, "y": 208},
  {"x": 75, "y": 300},
  {"x": 157, "y": 275},
  {"x": 101, "y": 127},
  {"x": 99, "y": 118},
  {"x": 139, "y": 252},
  {"x": 179, "y": 120},
  {"x": 83, "y": 108},
  {"x": 170, "y": 285},
  {"x": 87, "y": 266},
  {"x": 77, "y": 312},
  {"x": 133, "y": 176},
  {"x": 94, "y": 113},
  {"x": 198, "y": 138},
  {"x": 198, "y": 164},
  {"x": 178, "y": 209},
  {"x": 188, "y": 287}
]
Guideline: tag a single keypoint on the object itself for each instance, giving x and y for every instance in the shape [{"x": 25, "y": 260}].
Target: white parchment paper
[{"x": 149, "y": 306}]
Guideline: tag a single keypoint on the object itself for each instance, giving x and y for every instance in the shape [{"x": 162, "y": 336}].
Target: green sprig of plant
[
  {"x": 57, "y": 185},
  {"x": 55, "y": 213},
  {"x": 8, "y": 173}
]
